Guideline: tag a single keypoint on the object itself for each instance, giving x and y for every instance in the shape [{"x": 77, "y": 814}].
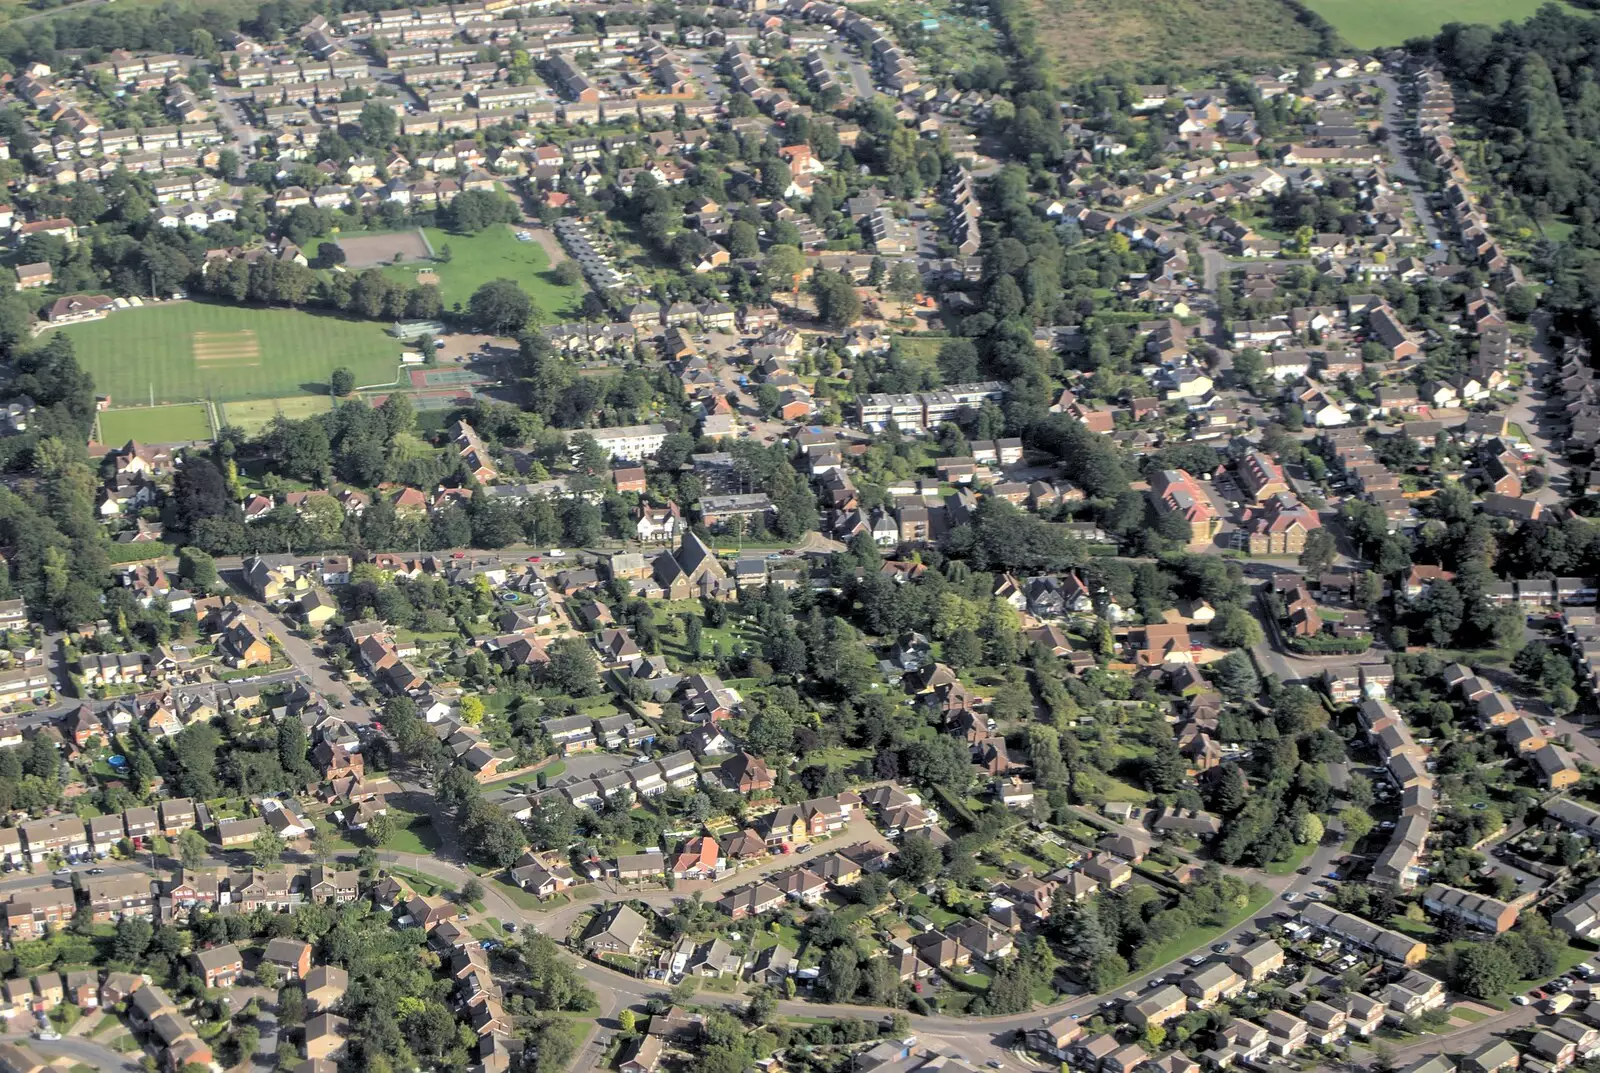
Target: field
[
  {"x": 255, "y": 415},
  {"x": 194, "y": 350},
  {"x": 366, "y": 251},
  {"x": 1084, "y": 36},
  {"x": 493, "y": 253},
  {"x": 1370, "y": 23},
  {"x": 159, "y": 424}
]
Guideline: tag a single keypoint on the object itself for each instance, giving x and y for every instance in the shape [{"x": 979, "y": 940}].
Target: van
[{"x": 1558, "y": 1003}]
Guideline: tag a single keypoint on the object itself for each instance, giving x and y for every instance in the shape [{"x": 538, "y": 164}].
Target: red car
[
  {"x": 536, "y": 558},
  {"x": 458, "y": 555}
]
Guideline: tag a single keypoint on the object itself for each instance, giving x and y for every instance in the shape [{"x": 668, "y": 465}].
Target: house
[
  {"x": 699, "y": 858},
  {"x": 326, "y": 1036},
  {"x": 1285, "y": 1032},
  {"x": 1554, "y": 766},
  {"x": 1156, "y": 1008},
  {"x": 1324, "y": 1021},
  {"x": 291, "y": 956},
  {"x": 1491, "y": 1057},
  {"x": 1211, "y": 984},
  {"x": 646, "y": 1056},
  {"x": 746, "y": 774},
  {"x": 219, "y": 966},
  {"x": 618, "y": 930},
  {"x": 325, "y": 985},
  {"x": 1257, "y": 961},
  {"x": 1486, "y": 914}
]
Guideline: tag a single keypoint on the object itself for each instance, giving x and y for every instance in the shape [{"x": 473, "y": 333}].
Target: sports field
[
  {"x": 156, "y": 424},
  {"x": 1371, "y": 23},
  {"x": 493, "y": 253},
  {"x": 255, "y": 414},
  {"x": 194, "y": 350}
]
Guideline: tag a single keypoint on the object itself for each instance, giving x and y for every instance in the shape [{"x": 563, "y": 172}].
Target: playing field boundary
[
  {"x": 172, "y": 422},
  {"x": 187, "y": 351}
]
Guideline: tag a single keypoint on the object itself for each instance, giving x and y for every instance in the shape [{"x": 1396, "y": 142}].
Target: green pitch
[
  {"x": 194, "y": 350},
  {"x": 493, "y": 253},
  {"x": 159, "y": 424},
  {"x": 1371, "y": 23}
]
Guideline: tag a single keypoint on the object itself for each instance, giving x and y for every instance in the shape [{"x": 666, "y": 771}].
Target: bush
[{"x": 1329, "y": 646}]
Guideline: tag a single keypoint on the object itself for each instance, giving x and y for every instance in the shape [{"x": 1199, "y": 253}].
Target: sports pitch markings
[{"x": 238, "y": 348}]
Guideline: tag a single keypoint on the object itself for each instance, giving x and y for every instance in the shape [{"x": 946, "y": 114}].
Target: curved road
[
  {"x": 82, "y": 1051},
  {"x": 980, "y": 1038}
]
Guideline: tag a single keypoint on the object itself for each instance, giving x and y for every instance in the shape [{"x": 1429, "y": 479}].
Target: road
[
  {"x": 1400, "y": 164},
  {"x": 860, "y": 77},
  {"x": 1468, "y": 1038},
  {"x": 78, "y": 1050},
  {"x": 979, "y": 1039},
  {"x": 1532, "y": 414}
]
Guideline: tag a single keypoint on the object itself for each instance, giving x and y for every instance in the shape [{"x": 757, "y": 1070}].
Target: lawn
[
  {"x": 1092, "y": 35},
  {"x": 492, "y": 254},
  {"x": 1191, "y": 939},
  {"x": 183, "y": 351},
  {"x": 1370, "y": 23},
  {"x": 254, "y": 415},
  {"x": 1292, "y": 865},
  {"x": 417, "y": 837},
  {"x": 156, "y": 424}
]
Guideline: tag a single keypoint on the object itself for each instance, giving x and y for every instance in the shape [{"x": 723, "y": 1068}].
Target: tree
[
  {"x": 131, "y": 940},
  {"x": 904, "y": 283},
  {"x": 919, "y": 860},
  {"x": 1482, "y": 970},
  {"x": 1357, "y": 823},
  {"x": 782, "y": 266},
  {"x": 193, "y": 849},
  {"x": 568, "y": 274},
  {"x": 1164, "y": 770},
  {"x": 341, "y": 382},
  {"x": 1234, "y": 627},
  {"x": 380, "y": 829},
  {"x": 572, "y": 668},
  {"x": 471, "y": 891},
  {"x": 266, "y": 850},
  {"x": 1236, "y": 677},
  {"x": 1309, "y": 830},
  {"x": 500, "y": 307},
  {"x": 627, "y": 1021},
  {"x": 1320, "y": 549},
  {"x": 198, "y": 569},
  {"x": 379, "y": 124},
  {"x": 1231, "y": 789},
  {"x": 838, "y": 305},
  {"x": 1443, "y": 609},
  {"x": 471, "y": 710}
]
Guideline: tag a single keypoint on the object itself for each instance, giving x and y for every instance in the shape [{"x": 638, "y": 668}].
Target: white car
[{"x": 47, "y": 1035}]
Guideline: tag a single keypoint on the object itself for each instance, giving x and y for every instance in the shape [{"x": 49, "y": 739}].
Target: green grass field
[
  {"x": 254, "y": 415},
  {"x": 158, "y": 424},
  {"x": 491, "y": 254},
  {"x": 194, "y": 350},
  {"x": 1370, "y": 23}
]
